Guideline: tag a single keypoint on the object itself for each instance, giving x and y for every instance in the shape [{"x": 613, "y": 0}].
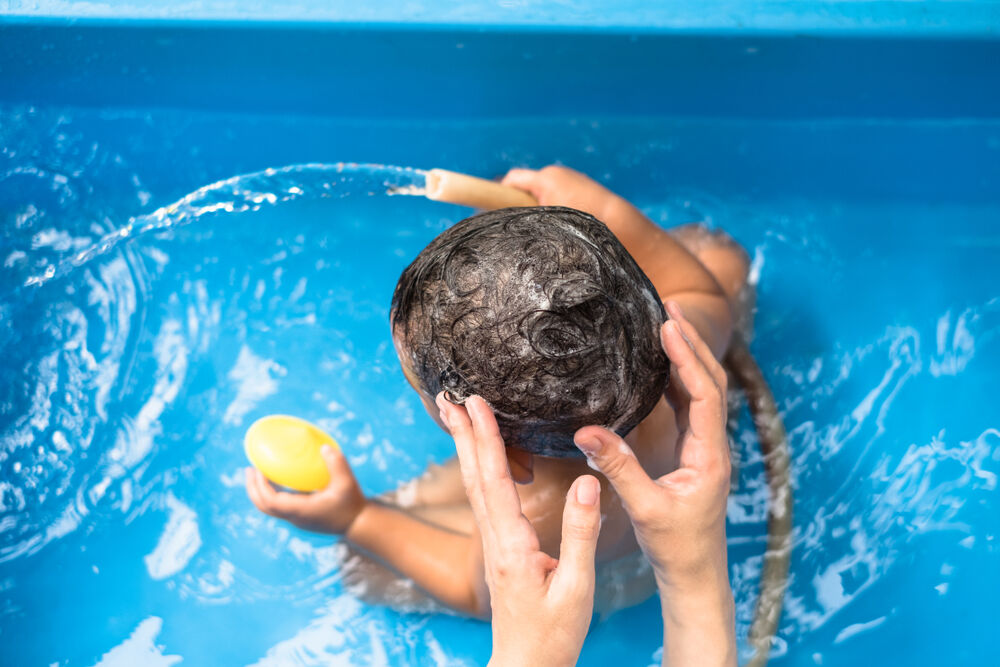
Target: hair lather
[{"x": 543, "y": 313}]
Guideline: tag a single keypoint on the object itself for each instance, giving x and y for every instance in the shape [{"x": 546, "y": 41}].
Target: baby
[{"x": 551, "y": 315}]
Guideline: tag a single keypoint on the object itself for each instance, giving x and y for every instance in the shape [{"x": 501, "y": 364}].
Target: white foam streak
[
  {"x": 255, "y": 380},
  {"x": 873, "y": 518},
  {"x": 178, "y": 543},
  {"x": 140, "y": 648}
]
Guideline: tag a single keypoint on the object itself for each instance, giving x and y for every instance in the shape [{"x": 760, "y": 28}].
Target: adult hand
[
  {"x": 541, "y": 606},
  {"x": 680, "y": 518},
  {"x": 332, "y": 509}
]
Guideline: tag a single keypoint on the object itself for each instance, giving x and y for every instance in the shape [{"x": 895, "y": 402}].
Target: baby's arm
[
  {"x": 446, "y": 564},
  {"x": 676, "y": 274}
]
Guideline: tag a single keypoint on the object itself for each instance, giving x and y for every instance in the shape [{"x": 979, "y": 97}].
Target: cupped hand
[
  {"x": 541, "y": 606},
  {"x": 680, "y": 518},
  {"x": 332, "y": 509}
]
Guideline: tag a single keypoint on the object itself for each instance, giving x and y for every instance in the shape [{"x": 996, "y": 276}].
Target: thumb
[
  {"x": 336, "y": 462},
  {"x": 610, "y": 455},
  {"x": 581, "y": 527}
]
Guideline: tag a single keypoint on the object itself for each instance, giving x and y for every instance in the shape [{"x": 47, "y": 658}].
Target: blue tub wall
[
  {"x": 949, "y": 17},
  {"x": 757, "y": 113}
]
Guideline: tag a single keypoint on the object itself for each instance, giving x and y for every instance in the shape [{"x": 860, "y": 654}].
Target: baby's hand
[
  {"x": 329, "y": 510},
  {"x": 680, "y": 518},
  {"x": 561, "y": 186}
]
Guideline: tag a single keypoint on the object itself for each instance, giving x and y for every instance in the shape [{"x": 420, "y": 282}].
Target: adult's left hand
[{"x": 541, "y": 606}]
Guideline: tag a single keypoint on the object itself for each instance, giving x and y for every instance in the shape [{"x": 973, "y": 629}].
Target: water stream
[{"x": 248, "y": 192}]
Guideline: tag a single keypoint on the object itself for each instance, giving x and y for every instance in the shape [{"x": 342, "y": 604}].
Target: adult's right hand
[{"x": 680, "y": 518}]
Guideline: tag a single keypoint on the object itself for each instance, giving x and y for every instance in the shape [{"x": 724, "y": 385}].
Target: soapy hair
[{"x": 543, "y": 313}]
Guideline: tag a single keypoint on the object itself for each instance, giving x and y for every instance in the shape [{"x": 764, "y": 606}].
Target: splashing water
[{"x": 249, "y": 192}]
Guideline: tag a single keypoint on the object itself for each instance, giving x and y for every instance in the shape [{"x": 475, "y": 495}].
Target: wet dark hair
[{"x": 543, "y": 313}]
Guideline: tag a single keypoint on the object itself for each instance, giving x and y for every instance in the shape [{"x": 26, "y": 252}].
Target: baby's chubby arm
[
  {"x": 447, "y": 565},
  {"x": 675, "y": 273}
]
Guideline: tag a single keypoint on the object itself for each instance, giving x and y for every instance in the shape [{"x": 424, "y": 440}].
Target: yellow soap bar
[{"x": 286, "y": 450}]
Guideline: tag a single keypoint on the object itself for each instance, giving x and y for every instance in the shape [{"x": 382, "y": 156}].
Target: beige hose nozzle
[{"x": 455, "y": 188}]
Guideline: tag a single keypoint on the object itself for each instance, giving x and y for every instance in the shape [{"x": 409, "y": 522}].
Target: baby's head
[{"x": 541, "y": 312}]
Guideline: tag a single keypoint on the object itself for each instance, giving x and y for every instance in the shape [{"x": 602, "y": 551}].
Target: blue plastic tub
[{"x": 853, "y": 148}]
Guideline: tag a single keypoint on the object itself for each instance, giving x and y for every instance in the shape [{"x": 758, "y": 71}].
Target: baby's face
[{"x": 429, "y": 405}]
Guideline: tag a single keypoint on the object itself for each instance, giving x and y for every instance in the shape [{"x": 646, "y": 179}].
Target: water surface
[{"x": 128, "y": 381}]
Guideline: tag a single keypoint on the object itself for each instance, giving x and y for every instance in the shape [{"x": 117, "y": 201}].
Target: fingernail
[
  {"x": 672, "y": 327},
  {"x": 588, "y": 446},
  {"x": 442, "y": 410},
  {"x": 588, "y": 490},
  {"x": 326, "y": 449},
  {"x": 675, "y": 327}
]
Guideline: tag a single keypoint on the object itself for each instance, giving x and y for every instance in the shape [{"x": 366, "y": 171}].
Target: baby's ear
[{"x": 521, "y": 464}]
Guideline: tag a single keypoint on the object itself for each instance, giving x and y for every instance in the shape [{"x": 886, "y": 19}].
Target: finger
[
  {"x": 248, "y": 480},
  {"x": 675, "y": 393},
  {"x": 611, "y": 456},
  {"x": 691, "y": 371},
  {"x": 699, "y": 345},
  {"x": 581, "y": 527},
  {"x": 502, "y": 504},
  {"x": 706, "y": 419},
  {"x": 254, "y": 490},
  {"x": 276, "y": 503},
  {"x": 456, "y": 417},
  {"x": 522, "y": 179},
  {"x": 336, "y": 464},
  {"x": 261, "y": 486}
]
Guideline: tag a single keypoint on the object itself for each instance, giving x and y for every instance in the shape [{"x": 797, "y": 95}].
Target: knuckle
[
  {"x": 718, "y": 471},
  {"x": 613, "y": 466},
  {"x": 582, "y": 531},
  {"x": 575, "y": 589},
  {"x": 501, "y": 569},
  {"x": 643, "y": 515},
  {"x": 727, "y": 472},
  {"x": 726, "y": 462},
  {"x": 713, "y": 393}
]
